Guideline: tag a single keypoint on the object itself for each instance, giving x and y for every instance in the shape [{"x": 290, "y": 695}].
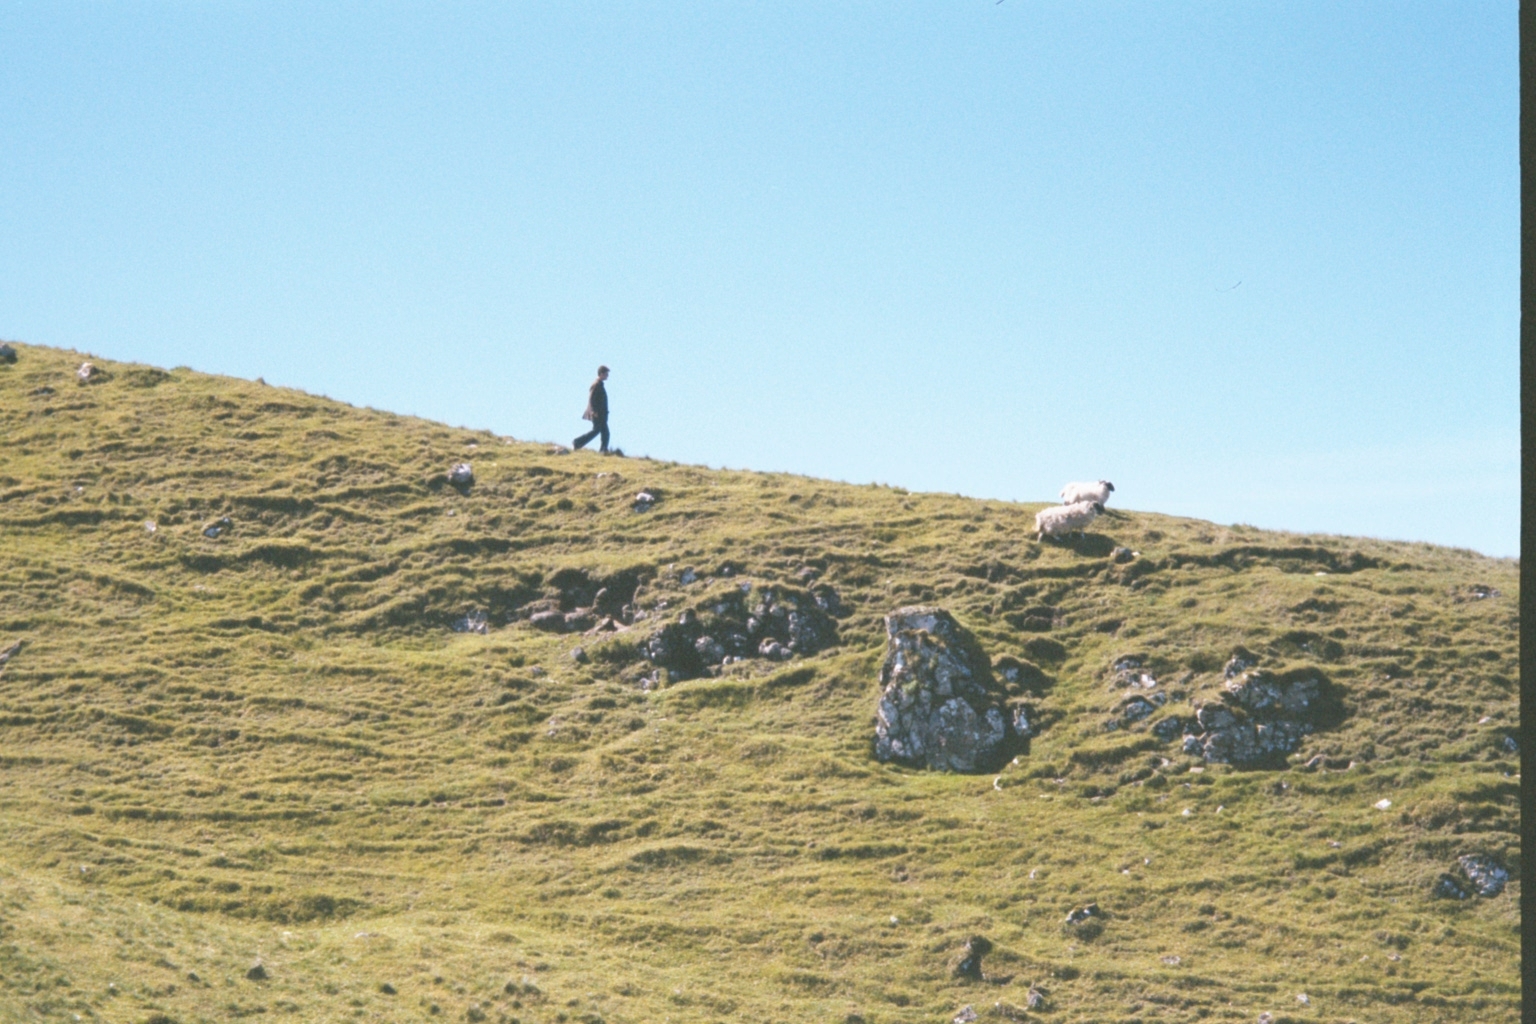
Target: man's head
[{"x": 602, "y": 373}]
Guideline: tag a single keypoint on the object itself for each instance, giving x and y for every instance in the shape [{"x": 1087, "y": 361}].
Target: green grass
[{"x": 271, "y": 744}]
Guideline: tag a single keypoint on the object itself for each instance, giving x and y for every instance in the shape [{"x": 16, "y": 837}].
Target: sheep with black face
[{"x": 1073, "y": 493}]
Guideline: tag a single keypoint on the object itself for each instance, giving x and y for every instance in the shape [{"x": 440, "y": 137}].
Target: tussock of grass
[{"x": 271, "y": 744}]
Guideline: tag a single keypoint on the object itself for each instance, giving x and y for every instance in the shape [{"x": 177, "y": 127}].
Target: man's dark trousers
[{"x": 598, "y": 427}]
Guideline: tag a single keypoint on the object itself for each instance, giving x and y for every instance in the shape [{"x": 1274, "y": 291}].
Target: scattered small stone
[
  {"x": 1083, "y": 913},
  {"x": 644, "y": 500},
  {"x": 1267, "y": 1017},
  {"x": 557, "y": 449},
  {"x": 461, "y": 475},
  {"x": 473, "y": 621},
  {"x": 149, "y": 526},
  {"x": 1303, "y": 999},
  {"x": 1122, "y": 555},
  {"x": 966, "y": 1015},
  {"x": 969, "y": 964},
  {"x": 7, "y": 354},
  {"x": 1173, "y": 960},
  {"x": 386, "y": 988},
  {"x": 687, "y": 576},
  {"x": 1511, "y": 744},
  {"x": 1480, "y": 591},
  {"x": 1382, "y": 804},
  {"x": 536, "y": 671},
  {"x": 218, "y": 528},
  {"x": 10, "y": 652},
  {"x": 257, "y": 972},
  {"x": 86, "y": 372},
  {"x": 1035, "y": 1000},
  {"x": 579, "y": 655},
  {"x": 579, "y": 620}
]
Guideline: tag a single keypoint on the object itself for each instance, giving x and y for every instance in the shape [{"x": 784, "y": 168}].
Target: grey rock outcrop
[
  {"x": 1141, "y": 697},
  {"x": 776, "y": 622},
  {"x": 1241, "y": 661},
  {"x": 7, "y": 354},
  {"x": 577, "y": 601},
  {"x": 549, "y": 620},
  {"x": 1479, "y": 874},
  {"x": 1261, "y": 718},
  {"x": 473, "y": 621},
  {"x": 940, "y": 707},
  {"x": 1449, "y": 887}
]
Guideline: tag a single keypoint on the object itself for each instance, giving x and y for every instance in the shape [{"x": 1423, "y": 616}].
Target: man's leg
[
  {"x": 603, "y": 426},
  {"x": 589, "y": 435}
]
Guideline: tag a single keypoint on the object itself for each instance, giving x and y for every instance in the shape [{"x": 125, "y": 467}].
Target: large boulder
[{"x": 940, "y": 707}]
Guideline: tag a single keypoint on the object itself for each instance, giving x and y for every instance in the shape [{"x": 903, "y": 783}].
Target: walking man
[{"x": 597, "y": 412}]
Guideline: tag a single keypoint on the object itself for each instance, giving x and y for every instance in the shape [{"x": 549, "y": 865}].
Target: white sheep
[
  {"x": 1065, "y": 518},
  {"x": 1074, "y": 493}
]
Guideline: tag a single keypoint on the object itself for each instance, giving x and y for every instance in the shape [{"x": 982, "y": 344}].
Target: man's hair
[{"x": 602, "y": 369}]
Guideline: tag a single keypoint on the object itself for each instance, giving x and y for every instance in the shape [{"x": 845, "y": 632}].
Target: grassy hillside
[{"x": 271, "y": 746}]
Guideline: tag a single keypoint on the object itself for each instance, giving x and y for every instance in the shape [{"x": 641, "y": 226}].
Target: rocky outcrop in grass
[
  {"x": 1262, "y": 718},
  {"x": 395, "y": 739},
  {"x": 775, "y": 622},
  {"x": 941, "y": 707}
]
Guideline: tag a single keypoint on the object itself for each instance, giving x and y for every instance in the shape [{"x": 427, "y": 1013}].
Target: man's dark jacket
[{"x": 597, "y": 403}]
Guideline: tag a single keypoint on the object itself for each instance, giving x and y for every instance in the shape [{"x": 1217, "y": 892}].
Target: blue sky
[{"x": 1254, "y": 263}]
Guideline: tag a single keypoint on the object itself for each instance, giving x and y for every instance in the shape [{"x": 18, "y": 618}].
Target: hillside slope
[{"x": 244, "y": 726}]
